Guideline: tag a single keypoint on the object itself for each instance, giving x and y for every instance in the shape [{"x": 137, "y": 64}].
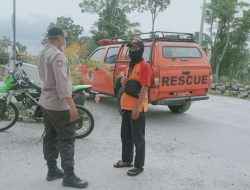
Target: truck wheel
[
  {"x": 119, "y": 98},
  {"x": 180, "y": 108}
]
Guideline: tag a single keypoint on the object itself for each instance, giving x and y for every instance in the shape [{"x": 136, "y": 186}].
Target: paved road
[{"x": 207, "y": 148}]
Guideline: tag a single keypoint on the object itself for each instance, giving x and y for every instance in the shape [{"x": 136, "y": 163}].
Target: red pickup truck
[{"x": 181, "y": 69}]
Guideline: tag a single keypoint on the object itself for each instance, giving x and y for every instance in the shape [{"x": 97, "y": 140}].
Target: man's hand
[
  {"x": 124, "y": 81},
  {"x": 72, "y": 108},
  {"x": 73, "y": 113},
  {"x": 136, "y": 111},
  {"x": 135, "y": 114}
]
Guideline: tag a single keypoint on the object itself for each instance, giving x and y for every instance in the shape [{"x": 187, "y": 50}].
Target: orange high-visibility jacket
[{"x": 129, "y": 102}]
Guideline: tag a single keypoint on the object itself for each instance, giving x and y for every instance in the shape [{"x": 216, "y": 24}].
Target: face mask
[
  {"x": 133, "y": 54},
  {"x": 64, "y": 45}
]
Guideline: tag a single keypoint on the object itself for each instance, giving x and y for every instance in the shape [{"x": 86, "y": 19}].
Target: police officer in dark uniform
[{"x": 59, "y": 110}]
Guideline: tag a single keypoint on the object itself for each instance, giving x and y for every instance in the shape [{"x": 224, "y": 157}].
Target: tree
[
  {"x": 22, "y": 48},
  {"x": 4, "y": 57},
  {"x": 72, "y": 30},
  {"x": 98, "y": 6},
  {"x": 205, "y": 42},
  {"x": 223, "y": 17},
  {"x": 5, "y": 42},
  {"x": 90, "y": 46},
  {"x": 112, "y": 20},
  {"x": 154, "y": 6},
  {"x": 236, "y": 58},
  {"x": 73, "y": 52}
]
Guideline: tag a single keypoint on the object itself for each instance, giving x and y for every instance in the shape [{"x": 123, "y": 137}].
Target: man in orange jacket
[{"x": 134, "y": 106}]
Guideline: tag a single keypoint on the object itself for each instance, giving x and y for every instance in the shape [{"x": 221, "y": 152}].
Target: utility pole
[
  {"x": 202, "y": 22},
  {"x": 14, "y": 32}
]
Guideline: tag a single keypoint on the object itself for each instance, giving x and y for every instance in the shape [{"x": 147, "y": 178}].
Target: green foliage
[
  {"x": 75, "y": 74},
  {"x": 90, "y": 47},
  {"x": 214, "y": 92},
  {"x": 4, "y": 57},
  {"x": 5, "y": 42},
  {"x": 72, "y": 30},
  {"x": 112, "y": 20},
  {"x": 229, "y": 22},
  {"x": 99, "y": 6},
  {"x": 21, "y": 54},
  {"x": 1, "y": 70},
  {"x": 22, "y": 48},
  {"x": 206, "y": 41},
  {"x": 154, "y": 6},
  {"x": 29, "y": 58}
]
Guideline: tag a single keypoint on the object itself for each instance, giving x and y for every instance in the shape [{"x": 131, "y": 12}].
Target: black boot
[
  {"x": 54, "y": 173},
  {"x": 74, "y": 181}
]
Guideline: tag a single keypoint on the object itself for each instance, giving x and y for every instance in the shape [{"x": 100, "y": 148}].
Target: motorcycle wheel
[
  {"x": 9, "y": 116},
  {"x": 85, "y": 122}
]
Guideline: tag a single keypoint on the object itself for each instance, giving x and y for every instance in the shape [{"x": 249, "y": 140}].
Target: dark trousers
[
  {"x": 133, "y": 133},
  {"x": 59, "y": 138}
]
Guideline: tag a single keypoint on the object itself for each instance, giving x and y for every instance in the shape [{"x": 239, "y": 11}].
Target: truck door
[{"x": 103, "y": 72}]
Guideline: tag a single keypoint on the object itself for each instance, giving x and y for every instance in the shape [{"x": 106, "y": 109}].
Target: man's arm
[
  {"x": 139, "y": 103},
  {"x": 63, "y": 84},
  {"x": 145, "y": 80},
  {"x": 72, "y": 108}
]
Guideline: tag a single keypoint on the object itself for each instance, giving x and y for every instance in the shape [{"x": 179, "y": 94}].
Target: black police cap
[{"x": 55, "y": 32}]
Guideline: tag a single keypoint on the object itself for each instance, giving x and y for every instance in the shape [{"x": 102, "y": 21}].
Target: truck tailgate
[{"x": 181, "y": 79}]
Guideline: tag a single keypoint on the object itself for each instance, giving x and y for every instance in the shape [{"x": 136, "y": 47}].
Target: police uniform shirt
[{"x": 54, "y": 71}]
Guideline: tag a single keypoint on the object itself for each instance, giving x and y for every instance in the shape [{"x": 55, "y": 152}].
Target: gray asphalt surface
[{"x": 207, "y": 148}]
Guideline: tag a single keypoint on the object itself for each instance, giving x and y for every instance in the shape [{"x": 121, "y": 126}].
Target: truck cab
[{"x": 181, "y": 69}]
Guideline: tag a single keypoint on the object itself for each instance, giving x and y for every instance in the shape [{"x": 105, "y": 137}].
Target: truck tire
[
  {"x": 180, "y": 108},
  {"x": 119, "y": 98}
]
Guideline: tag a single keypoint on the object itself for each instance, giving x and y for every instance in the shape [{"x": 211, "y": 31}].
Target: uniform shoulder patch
[{"x": 59, "y": 63}]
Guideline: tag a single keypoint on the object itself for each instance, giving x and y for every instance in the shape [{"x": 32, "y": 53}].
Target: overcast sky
[{"x": 34, "y": 16}]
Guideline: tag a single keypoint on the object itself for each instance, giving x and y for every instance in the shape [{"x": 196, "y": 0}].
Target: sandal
[
  {"x": 121, "y": 164},
  {"x": 134, "y": 171}
]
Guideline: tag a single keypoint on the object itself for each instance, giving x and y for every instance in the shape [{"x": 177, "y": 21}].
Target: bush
[
  {"x": 4, "y": 58},
  {"x": 1, "y": 70}
]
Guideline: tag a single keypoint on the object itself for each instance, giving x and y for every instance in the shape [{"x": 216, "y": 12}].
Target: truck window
[
  {"x": 97, "y": 55},
  {"x": 146, "y": 54},
  {"x": 111, "y": 55},
  {"x": 182, "y": 52}
]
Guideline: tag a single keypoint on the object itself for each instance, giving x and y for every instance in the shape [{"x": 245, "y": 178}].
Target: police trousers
[
  {"x": 59, "y": 138},
  {"x": 133, "y": 134}
]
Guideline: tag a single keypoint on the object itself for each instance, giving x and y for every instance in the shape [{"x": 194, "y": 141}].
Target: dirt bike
[{"x": 27, "y": 94}]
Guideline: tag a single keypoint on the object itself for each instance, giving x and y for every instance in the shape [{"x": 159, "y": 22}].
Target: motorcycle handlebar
[{"x": 22, "y": 75}]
